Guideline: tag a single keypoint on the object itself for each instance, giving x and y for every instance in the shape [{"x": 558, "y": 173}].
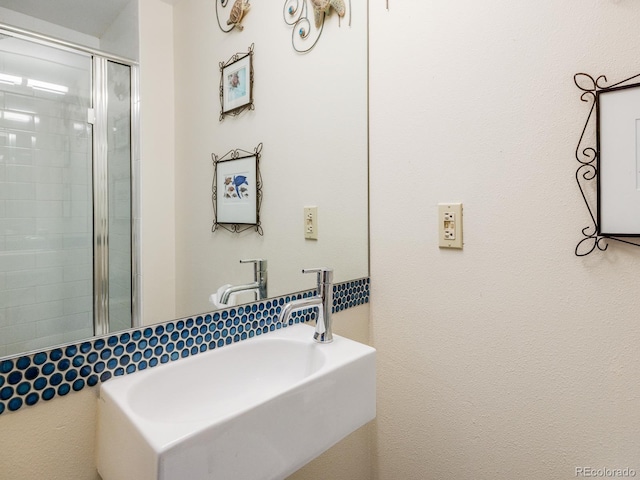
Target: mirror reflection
[{"x": 310, "y": 115}]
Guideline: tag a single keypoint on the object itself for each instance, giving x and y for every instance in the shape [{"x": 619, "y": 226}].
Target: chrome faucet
[
  {"x": 259, "y": 285},
  {"x": 323, "y": 301}
]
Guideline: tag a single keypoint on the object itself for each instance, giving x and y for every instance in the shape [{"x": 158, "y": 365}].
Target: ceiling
[{"x": 91, "y": 17}]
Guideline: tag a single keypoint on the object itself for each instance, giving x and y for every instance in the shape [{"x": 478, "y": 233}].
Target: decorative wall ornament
[
  {"x": 237, "y": 12},
  {"x": 587, "y": 155},
  {"x": 237, "y": 191},
  {"x": 305, "y": 34},
  {"x": 236, "y": 84}
]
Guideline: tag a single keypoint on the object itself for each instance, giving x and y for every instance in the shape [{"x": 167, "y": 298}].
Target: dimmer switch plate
[
  {"x": 311, "y": 223},
  {"x": 450, "y": 225}
]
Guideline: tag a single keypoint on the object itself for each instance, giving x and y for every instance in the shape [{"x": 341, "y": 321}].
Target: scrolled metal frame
[
  {"x": 587, "y": 157},
  {"x": 235, "y": 155},
  {"x": 235, "y": 58},
  {"x": 296, "y": 15}
]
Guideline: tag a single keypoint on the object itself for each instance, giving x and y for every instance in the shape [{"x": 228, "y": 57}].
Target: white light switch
[{"x": 450, "y": 225}]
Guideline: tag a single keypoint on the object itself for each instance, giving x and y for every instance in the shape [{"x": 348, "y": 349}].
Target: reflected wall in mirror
[
  {"x": 65, "y": 161},
  {"x": 311, "y": 116}
]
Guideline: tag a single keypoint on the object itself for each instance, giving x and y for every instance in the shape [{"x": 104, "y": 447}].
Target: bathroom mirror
[{"x": 310, "y": 115}]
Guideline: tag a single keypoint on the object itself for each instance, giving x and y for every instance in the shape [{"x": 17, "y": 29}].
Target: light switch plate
[
  {"x": 450, "y": 225},
  {"x": 311, "y": 223}
]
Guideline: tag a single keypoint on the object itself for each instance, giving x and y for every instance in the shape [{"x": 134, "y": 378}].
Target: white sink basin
[{"x": 258, "y": 409}]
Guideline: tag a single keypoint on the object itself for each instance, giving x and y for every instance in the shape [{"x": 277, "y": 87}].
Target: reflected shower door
[
  {"x": 119, "y": 188},
  {"x": 46, "y": 196},
  {"x": 65, "y": 195}
]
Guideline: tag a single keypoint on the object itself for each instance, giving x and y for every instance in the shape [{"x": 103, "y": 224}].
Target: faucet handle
[
  {"x": 325, "y": 275},
  {"x": 260, "y": 263}
]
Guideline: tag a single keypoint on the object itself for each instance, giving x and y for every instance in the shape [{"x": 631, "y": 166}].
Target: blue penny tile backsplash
[{"x": 29, "y": 379}]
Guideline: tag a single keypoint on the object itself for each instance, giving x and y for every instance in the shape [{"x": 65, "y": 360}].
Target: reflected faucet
[
  {"x": 323, "y": 301},
  {"x": 259, "y": 285}
]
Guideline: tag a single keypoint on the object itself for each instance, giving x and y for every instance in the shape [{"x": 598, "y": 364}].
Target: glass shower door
[
  {"x": 46, "y": 222},
  {"x": 119, "y": 188},
  {"x": 65, "y": 195}
]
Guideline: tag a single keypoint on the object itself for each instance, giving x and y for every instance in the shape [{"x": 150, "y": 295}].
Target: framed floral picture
[
  {"x": 236, "y": 84},
  {"x": 237, "y": 190}
]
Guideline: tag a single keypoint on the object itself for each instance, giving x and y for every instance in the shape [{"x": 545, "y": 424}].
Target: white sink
[{"x": 258, "y": 409}]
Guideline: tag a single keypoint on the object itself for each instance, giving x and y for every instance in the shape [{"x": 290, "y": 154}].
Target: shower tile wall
[{"x": 45, "y": 207}]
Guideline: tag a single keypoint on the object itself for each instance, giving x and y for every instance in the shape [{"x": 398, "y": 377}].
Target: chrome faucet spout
[
  {"x": 258, "y": 286},
  {"x": 249, "y": 287},
  {"x": 323, "y": 301}
]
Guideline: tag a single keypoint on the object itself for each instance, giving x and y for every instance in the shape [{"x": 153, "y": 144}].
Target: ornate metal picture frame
[
  {"x": 237, "y": 191},
  {"x": 588, "y": 154},
  {"x": 236, "y": 84},
  {"x": 619, "y": 161}
]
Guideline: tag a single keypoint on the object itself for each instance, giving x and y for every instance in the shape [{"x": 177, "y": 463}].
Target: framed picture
[
  {"x": 237, "y": 190},
  {"x": 618, "y": 138},
  {"x": 236, "y": 84}
]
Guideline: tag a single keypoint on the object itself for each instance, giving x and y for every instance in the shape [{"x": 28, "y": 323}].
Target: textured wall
[{"x": 512, "y": 358}]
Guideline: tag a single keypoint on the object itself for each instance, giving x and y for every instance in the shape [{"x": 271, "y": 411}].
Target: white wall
[
  {"x": 121, "y": 38},
  {"x": 157, "y": 148},
  {"x": 512, "y": 358},
  {"x": 33, "y": 24}
]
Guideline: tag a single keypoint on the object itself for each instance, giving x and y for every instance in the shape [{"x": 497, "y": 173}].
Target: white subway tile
[
  {"x": 48, "y": 174},
  {"x": 21, "y": 173},
  {"x": 80, "y": 160},
  {"x": 17, "y": 226},
  {"x": 78, "y": 305},
  {"x": 48, "y": 209},
  {"x": 77, "y": 240},
  {"x": 10, "y": 262},
  {"x": 51, "y": 158},
  {"x": 17, "y": 297},
  {"x": 45, "y": 141},
  {"x": 17, "y": 191},
  {"x": 33, "y": 312},
  {"x": 51, "y": 191},
  {"x": 16, "y": 156},
  {"x": 77, "y": 176},
  {"x": 51, "y": 124},
  {"x": 35, "y": 277},
  {"x": 20, "y": 208},
  {"x": 80, "y": 193},
  {"x": 22, "y": 139},
  {"x": 20, "y": 332},
  {"x": 48, "y": 293},
  {"x": 80, "y": 322},
  {"x": 32, "y": 242},
  {"x": 73, "y": 273}
]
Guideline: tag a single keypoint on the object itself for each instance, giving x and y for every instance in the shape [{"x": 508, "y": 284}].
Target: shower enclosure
[{"x": 67, "y": 131}]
